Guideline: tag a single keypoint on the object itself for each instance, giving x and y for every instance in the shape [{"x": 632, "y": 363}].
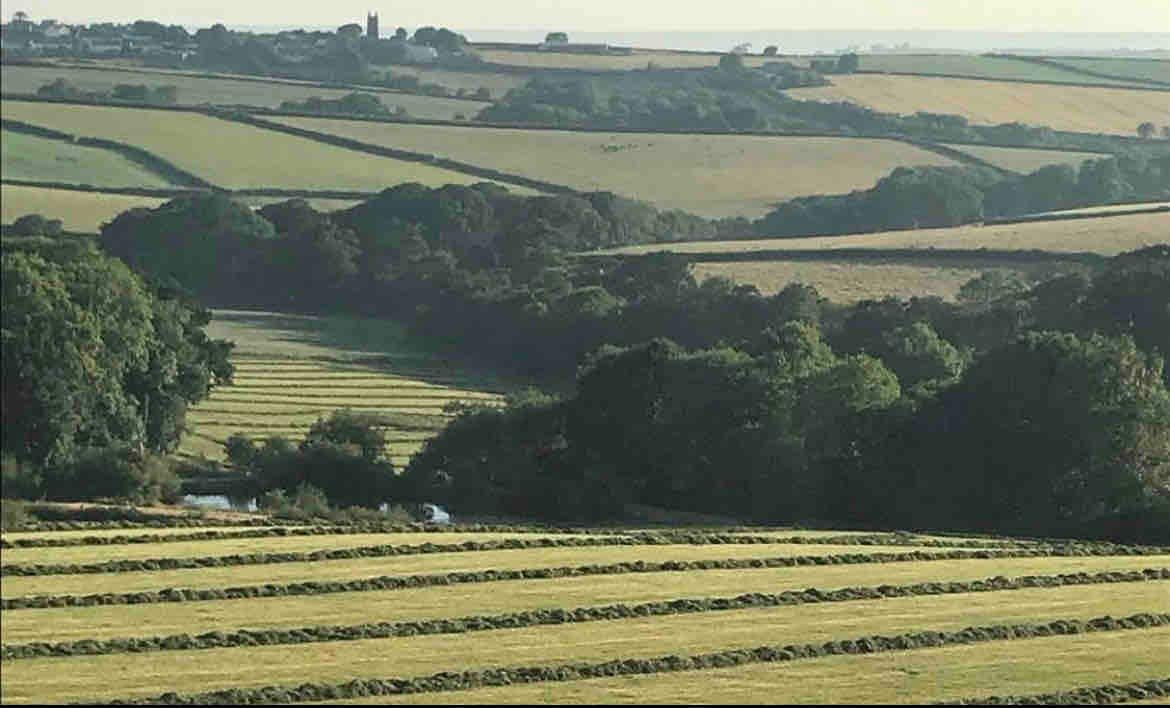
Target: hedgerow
[
  {"x": 400, "y": 582},
  {"x": 506, "y": 676},
  {"x": 532, "y": 618}
]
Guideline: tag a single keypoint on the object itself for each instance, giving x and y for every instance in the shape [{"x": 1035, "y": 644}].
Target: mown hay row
[
  {"x": 532, "y": 618},
  {"x": 503, "y": 676},
  {"x": 1093, "y": 695},
  {"x": 400, "y": 582}
]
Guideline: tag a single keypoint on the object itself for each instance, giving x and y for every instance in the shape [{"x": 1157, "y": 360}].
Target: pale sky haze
[{"x": 646, "y": 15}]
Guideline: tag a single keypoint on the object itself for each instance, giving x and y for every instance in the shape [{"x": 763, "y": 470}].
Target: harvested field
[
  {"x": 196, "y": 90},
  {"x": 711, "y": 175},
  {"x": 80, "y": 211},
  {"x": 847, "y": 281},
  {"x": 233, "y": 155},
  {"x": 1106, "y": 236},
  {"x": 639, "y": 59},
  {"x": 977, "y": 66},
  {"x": 1147, "y": 69},
  {"x": 1074, "y": 108},
  {"x": 1023, "y": 160}
]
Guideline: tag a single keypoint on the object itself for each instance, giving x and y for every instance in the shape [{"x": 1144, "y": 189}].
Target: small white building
[{"x": 419, "y": 54}]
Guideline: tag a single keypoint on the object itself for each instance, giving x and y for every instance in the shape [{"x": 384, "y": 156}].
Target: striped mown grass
[
  {"x": 75, "y": 623},
  {"x": 63, "y": 679},
  {"x": 944, "y": 674}
]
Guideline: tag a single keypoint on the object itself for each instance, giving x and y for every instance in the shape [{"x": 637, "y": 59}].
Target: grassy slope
[
  {"x": 1154, "y": 69},
  {"x": 720, "y": 175},
  {"x": 81, "y": 211},
  {"x": 195, "y": 90},
  {"x": 923, "y": 676},
  {"x": 232, "y": 155},
  {"x": 1074, "y": 108},
  {"x": 28, "y": 157},
  {"x": 67, "y": 624},
  {"x": 61, "y": 679}
]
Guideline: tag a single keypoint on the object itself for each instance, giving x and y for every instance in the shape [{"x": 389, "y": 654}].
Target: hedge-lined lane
[
  {"x": 1038, "y": 666},
  {"x": 490, "y": 575},
  {"x": 872, "y": 644},
  {"x": 74, "y": 678},
  {"x": 107, "y": 621},
  {"x": 294, "y": 550},
  {"x": 556, "y": 616}
]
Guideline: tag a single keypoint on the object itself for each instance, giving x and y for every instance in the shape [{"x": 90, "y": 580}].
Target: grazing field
[
  {"x": 197, "y": 90},
  {"x": 145, "y": 645},
  {"x": 80, "y": 211},
  {"x": 497, "y": 84},
  {"x": 1024, "y": 160},
  {"x": 1148, "y": 69},
  {"x": 1108, "y": 236},
  {"x": 1074, "y": 108},
  {"x": 232, "y": 155},
  {"x": 977, "y": 66},
  {"x": 711, "y": 175},
  {"x": 28, "y": 157},
  {"x": 292, "y": 370}
]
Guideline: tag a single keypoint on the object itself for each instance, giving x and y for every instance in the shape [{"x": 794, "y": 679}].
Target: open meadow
[
  {"x": 196, "y": 90},
  {"x": 292, "y": 370},
  {"x": 647, "y": 615},
  {"x": 232, "y": 155},
  {"x": 982, "y": 67},
  {"x": 1087, "y": 109},
  {"x": 1147, "y": 69},
  {"x": 1024, "y": 160},
  {"x": 710, "y": 175},
  {"x": 79, "y": 211},
  {"x": 638, "y": 59}
]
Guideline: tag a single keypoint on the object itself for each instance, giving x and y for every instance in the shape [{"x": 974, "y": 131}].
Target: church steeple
[{"x": 372, "y": 25}]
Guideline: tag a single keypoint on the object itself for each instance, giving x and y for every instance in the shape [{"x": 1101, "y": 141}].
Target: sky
[{"x": 652, "y": 15}]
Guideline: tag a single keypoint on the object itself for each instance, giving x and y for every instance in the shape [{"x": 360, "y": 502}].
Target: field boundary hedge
[
  {"x": 558, "y": 616},
  {"x": 391, "y": 550},
  {"x": 403, "y": 582},
  {"x": 1107, "y": 694},
  {"x": 506, "y": 676},
  {"x": 143, "y": 158}
]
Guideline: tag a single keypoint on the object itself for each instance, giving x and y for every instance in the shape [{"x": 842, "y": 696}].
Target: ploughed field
[
  {"x": 292, "y": 370},
  {"x": 513, "y": 614}
]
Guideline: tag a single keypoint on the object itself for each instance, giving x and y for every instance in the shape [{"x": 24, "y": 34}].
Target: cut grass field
[
  {"x": 910, "y": 674},
  {"x": 80, "y": 211},
  {"x": 1148, "y": 69},
  {"x": 292, "y": 370},
  {"x": 945, "y": 674},
  {"x": 1073, "y": 108},
  {"x": 28, "y": 157},
  {"x": 639, "y": 59},
  {"x": 711, "y": 175},
  {"x": 1023, "y": 160},
  {"x": 430, "y": 563},
  {"x": 75, "y": 623},
  {"x": 116, "y": 676},
  {"x": 232, "y": 155},
  {"x": 1106, "y": 236}
]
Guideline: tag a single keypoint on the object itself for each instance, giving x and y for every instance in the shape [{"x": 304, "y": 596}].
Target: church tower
[{"x": 372, "y": 25}]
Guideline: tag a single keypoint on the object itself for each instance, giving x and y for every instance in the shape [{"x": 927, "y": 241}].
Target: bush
[
  {"x": 13, "y": 514},
  {"x": 117, "y": 472},
  {"x": 18, "y": 479}
]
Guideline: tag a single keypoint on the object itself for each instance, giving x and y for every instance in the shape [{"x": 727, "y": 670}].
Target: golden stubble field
[
  {"x": 1075, "y": 108},
  {"x": 710, "y": 175}
]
